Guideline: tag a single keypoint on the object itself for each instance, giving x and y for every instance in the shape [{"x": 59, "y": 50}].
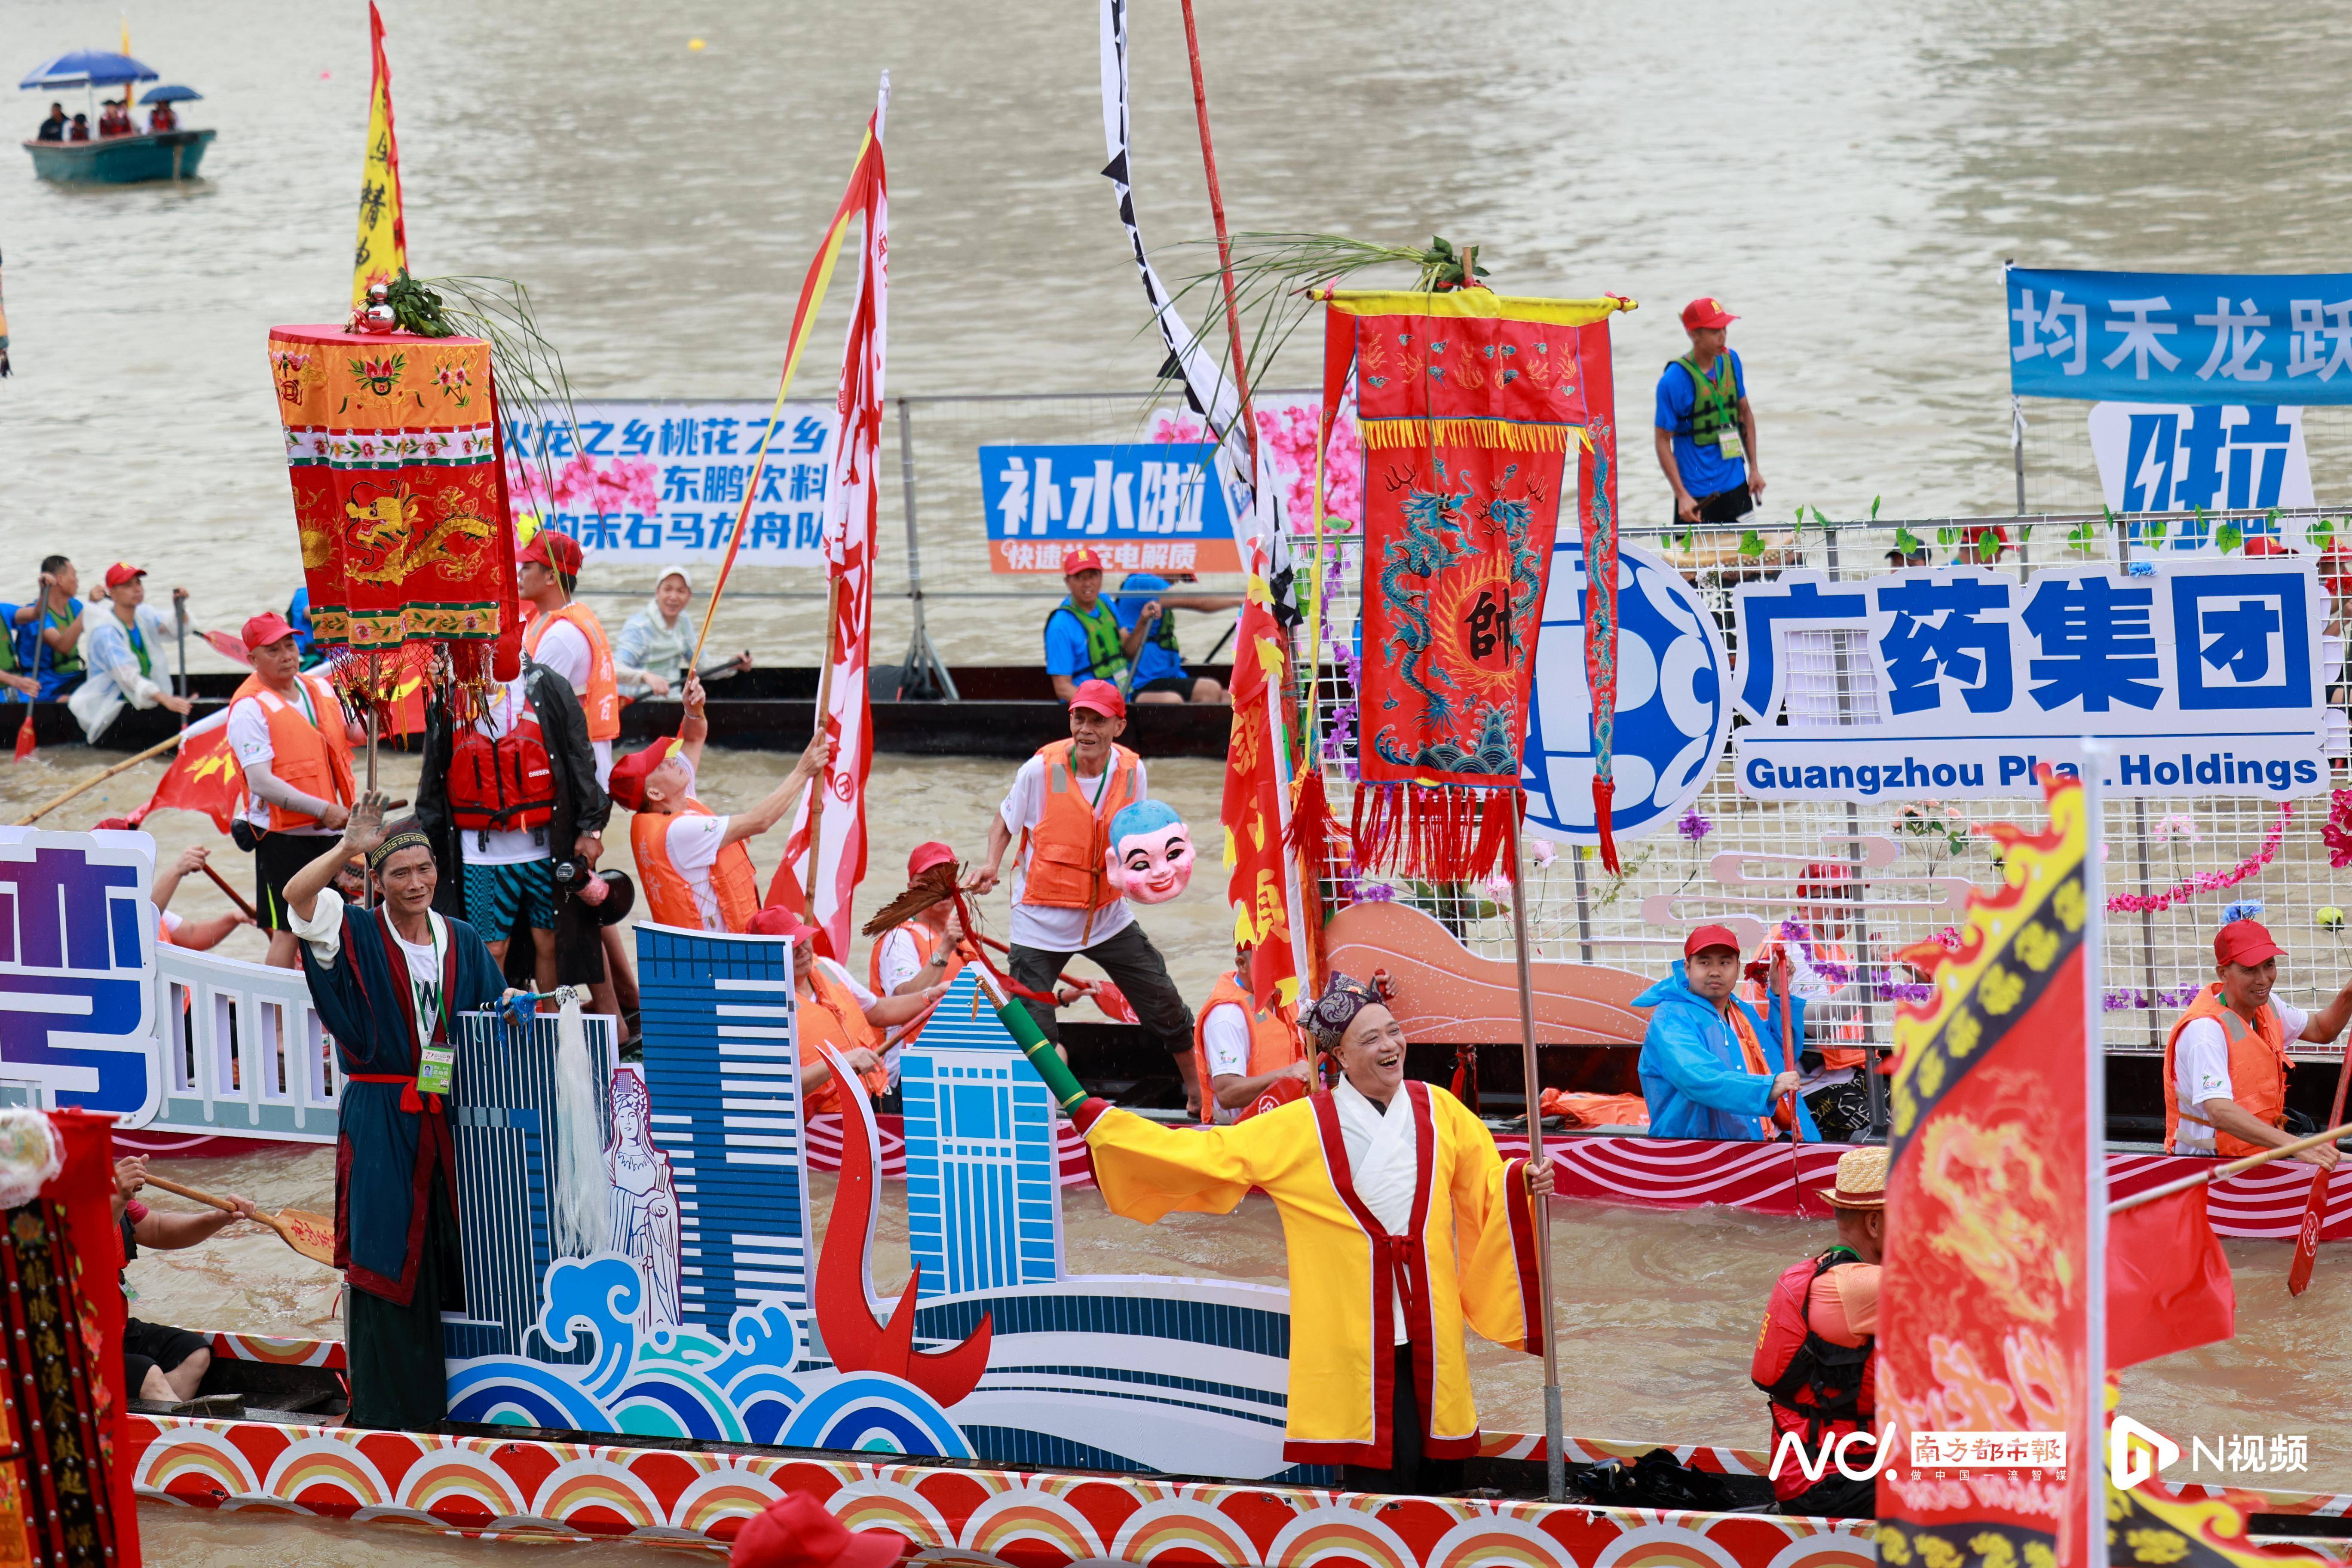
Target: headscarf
[
  {"x": 403, "y": 836},
  {"x": 1337, "y": 1008}
]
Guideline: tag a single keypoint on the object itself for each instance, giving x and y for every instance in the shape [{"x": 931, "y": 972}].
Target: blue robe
[
  {"x": 1693, "y": 1074},
  {"x": 389, "y": 1141}
]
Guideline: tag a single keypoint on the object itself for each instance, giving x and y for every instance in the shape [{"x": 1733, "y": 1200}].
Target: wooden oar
[
  {"x": 2235, "y": 1167},
  {"x": 39, "y": 812},
  {"x": 2314, "y": 1208},
  {"x": 234, "y": 895},
  {"x": 311, "y": 1234}
]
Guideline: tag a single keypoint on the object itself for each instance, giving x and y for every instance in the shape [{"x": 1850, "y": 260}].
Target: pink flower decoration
[{"x": 2336, "y": 833}]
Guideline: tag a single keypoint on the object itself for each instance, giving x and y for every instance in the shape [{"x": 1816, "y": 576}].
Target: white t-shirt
[
  {"x": 1226, "y": 1032},
  {"x": 900, "y": 962},
  {"x": 1035, "y": 925},
  {"x": 505, "y": 846},
  {"x": 563, "y": 648},
  {"x": 2201, "y": 1071},
  {"x": 693, "y": 843},
  {"x": 248, "y": 737}
]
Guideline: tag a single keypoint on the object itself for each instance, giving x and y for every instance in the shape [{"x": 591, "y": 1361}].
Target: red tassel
[
  {"x": 24, "y": 734},
  {"x": 1312, "y": 828},
  {"x": 1603, "y": 791},
  {"x": 1465, "y": 1077}
]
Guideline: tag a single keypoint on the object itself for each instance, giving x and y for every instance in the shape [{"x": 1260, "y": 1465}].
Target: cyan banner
[{"x": 2181, "y": 337}]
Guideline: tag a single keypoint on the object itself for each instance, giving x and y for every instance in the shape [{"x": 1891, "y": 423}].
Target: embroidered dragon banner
[
  {"x": 391, "y": 444},
  {"x": 1468, "y": 404}
]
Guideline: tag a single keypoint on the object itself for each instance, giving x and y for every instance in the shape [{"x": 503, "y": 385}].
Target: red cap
[
  {"x": 265, "y": 628},
  {"x": 1707, "y": 312},
  {"x": 1082, "y": 559},
  {"x": 796, "y": 1531},
  {"x": 1999, "y": 534},
  {"x": 927, "y": 855},
  {"x": 1699, "y": 941},
  {"x": 2263, "y": 544},
  {"x": 2245, "y": 941},
  {"x": 778, "y": 921},
  {"x": 121, "y": 571},
  {"x": 627, "y": 787},
  {"x": 559, "y": 552},
  {"x": 1100, "y": 697}
]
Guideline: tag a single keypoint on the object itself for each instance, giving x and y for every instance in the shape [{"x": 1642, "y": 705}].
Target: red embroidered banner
[
  {"x": 1986, "y": 1313},
  {"x": 391, "y": 445},
  {"x": 1468, "y": 405}
]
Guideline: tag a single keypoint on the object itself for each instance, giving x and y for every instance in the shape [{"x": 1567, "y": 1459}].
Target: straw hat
[{"x": 1860, "y": 1180}]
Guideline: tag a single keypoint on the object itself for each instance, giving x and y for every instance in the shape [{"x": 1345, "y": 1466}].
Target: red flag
[
  {"x": 829, "y": 876},
  {"x": 203, "y": 776},
  {"x": 2169, "y": 1285},
  {"x": 1257, "y": 884}
]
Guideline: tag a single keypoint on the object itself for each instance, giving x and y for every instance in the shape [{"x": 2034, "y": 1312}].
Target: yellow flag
[{"x": 382, "y": 251}]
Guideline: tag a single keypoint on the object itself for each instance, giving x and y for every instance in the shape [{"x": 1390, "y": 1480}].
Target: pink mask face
[{"x": 1152, "y": 868}]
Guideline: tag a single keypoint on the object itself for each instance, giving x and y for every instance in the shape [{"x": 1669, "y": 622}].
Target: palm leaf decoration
[
  {"x": 528, "y": 369},
  {"x": 1274, "y": 272}
]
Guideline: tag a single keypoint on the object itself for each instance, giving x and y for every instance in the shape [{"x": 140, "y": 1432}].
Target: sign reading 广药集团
[{"x": 2201, "y": 675}]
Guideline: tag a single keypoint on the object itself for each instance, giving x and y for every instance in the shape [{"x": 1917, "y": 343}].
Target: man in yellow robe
[{"x": 1402, "y": 1221}]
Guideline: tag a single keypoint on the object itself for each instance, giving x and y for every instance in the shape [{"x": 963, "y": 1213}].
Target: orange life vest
[
  {"x": 831, "y": 1015},
  {"x": 1274, "y": 1045},
  {"x": 601, "y": 701},
  {"x": 926, "y": 944},
  {"x": 670, "y": 896},
  {"x": 1066, "y": 849},
  {"x": 1817, "y": 1389},
  {"x": 315, "y": 759},
  {"x": 1752, "y": 1055},
  {"x": 2258, "y": 1068}
]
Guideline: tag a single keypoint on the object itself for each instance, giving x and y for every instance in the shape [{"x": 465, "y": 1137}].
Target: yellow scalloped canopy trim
[{"x": 1469, "y": 303}]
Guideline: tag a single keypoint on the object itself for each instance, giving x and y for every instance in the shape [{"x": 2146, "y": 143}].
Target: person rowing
[{"x": 2225, "y": 1061}]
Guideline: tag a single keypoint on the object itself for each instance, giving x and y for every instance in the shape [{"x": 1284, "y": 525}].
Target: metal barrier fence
[{"x": 1873, "y": 877}]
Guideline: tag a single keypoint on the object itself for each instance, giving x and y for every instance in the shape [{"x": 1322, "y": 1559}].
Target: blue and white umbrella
[
  {"x": 169, "y": 95},
  {"x": 87, "y": 67}
]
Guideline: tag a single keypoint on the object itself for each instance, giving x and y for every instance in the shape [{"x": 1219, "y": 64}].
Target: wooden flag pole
[
  {"x": 1555, "y": 1433},
  {"x": 823, "y": 780},
  {"x": 1225, "y": 240},
  {"x": 92, "y": 782},
  {"x": 2235, "y": 1167}
]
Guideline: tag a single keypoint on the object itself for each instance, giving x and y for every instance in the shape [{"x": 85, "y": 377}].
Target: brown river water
[{"x": 1848, "y": 182}]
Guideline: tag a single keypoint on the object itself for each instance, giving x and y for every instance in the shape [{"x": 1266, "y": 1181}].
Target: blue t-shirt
[
  {"x": 1152, "y": 662},
  {"x": 54, "y": 683},
  {"x": 1066, "y": 644},
  {"x": 1705, "y": 472},
  {"x": 22, "y": 661}
]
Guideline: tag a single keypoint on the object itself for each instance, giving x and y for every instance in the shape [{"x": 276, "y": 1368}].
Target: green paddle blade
[{"x": 1060, "y": 1082}]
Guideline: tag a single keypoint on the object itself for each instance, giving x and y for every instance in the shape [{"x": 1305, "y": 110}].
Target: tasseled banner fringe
[
  {"x": 1603, "y": 792},
  {"x": 1432, "y": 831},
  {"x": 1313, "y": 829},
  {"x": 1502, "y": 435}
]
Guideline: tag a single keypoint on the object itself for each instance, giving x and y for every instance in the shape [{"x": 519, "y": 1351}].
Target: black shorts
[
  {"x": 159, "y": 1345},
  {"x": 274, "y": 860},
  {"x": 1181, "y": 685},
  {"x": 1727, "y": 506}
]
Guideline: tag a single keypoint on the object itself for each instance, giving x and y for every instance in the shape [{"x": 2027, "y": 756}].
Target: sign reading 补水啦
[
  {"x": 1148, "y": 507},
  {"x": 2201, "y": 675},
  {"x": 667, "y": 481},
  {"x": 2181, "y": 337}
]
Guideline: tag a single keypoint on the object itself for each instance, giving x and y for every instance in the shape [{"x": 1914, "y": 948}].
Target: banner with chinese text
[
  {"x": 1149, "y": 507},
  {"x": 665, "y": 481},
  {"x": 2205, "y": 675},
  {"x": 1986, "y": 1307},
  {"x": 2181, "y": 337},
  {"x": 2193, "y": 457}
]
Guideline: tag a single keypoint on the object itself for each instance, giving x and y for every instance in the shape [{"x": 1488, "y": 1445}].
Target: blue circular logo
[{"x": 1672, "y": 715}]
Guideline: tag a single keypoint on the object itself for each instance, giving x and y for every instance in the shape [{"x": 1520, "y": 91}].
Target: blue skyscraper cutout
[
  {"x": 984, "y": 1195},
  {"x": 717, "y": 1014}
]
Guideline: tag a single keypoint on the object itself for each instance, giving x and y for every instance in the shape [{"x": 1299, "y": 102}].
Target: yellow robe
[{"x": 1470, "y": 1248}]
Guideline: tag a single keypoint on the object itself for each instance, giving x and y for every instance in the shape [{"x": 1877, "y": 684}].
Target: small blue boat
[{"x": 122, "y": 159}]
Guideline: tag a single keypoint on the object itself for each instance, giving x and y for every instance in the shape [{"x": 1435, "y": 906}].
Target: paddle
[
  {"x": 2314, "y": 1208},
  {"x": 1788, "y": 1064},
  {"x": 311, "y": 1234}
]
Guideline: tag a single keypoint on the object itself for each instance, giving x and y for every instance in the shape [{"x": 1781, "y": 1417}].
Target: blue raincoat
[{"x": 1693, "y": 1075}]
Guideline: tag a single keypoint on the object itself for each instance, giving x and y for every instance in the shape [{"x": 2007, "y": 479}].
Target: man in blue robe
[{"x": 386, "y": 981}]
